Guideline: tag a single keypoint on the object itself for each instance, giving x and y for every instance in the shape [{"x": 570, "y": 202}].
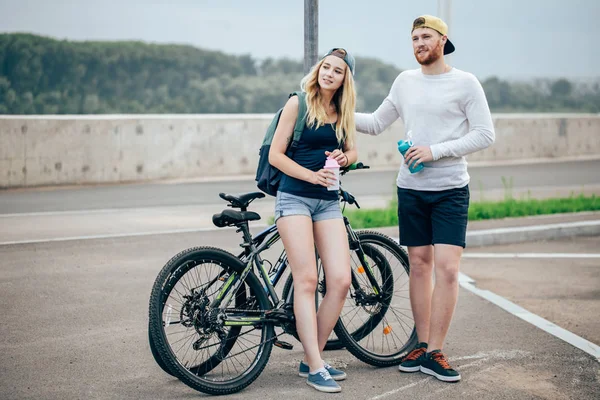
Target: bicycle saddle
[
  {"x": 232, "y": 217},
  {"x": 242, "y": 200}
]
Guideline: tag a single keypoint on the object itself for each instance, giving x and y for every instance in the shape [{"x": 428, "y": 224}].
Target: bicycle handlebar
[
  {"x": 242, "y": 201},
  {"x": 352, "y": 167},
  {"x": 345, "y": 196}
]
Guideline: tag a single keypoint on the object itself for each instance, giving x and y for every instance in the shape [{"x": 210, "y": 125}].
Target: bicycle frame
[
  {"x": 251, "y": 256},
  {"x": 269, "y": 236}
]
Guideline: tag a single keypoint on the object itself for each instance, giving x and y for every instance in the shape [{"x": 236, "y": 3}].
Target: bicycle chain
[{"x": 246, "y": 310}]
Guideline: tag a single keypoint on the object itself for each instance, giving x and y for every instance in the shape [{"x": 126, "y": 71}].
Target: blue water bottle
[{"x": 403, "y": 146}]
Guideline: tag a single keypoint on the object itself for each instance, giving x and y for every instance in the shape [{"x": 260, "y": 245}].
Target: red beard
[{"x": 433, "y": 56}]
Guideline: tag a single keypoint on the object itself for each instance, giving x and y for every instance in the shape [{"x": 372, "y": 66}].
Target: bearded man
[{"x": 446, "y": 116}]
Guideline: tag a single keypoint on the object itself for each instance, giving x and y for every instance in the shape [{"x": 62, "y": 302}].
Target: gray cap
[{"x": 344, "y": 55}]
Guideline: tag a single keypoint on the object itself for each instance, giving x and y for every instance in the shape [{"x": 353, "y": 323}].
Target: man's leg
[
  {"x": 449, "y": 225},
  {"x": 421, "y": 288},
  {"x": 414, "y": 218},
  {"x": 445, "y": 293},
  {"x": 443, "y": 302}
]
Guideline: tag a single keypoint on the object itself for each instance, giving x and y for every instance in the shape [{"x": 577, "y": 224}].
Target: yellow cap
[{"x": 429, "y": 21}]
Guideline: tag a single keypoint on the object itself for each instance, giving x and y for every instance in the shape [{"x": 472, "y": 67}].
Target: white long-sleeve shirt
[{"x": 448, "y": 112}]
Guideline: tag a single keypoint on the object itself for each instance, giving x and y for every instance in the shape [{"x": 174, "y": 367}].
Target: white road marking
[
  {"x": 391, "y": 392},
  {"x": 534, "y": 319},
  {"x": 495, "y": 354},
  {"x": 67, "y": 213},
  {"x": 531, "y": 255},
  {"x": 594, "y": 350},
  {"x": 532, "y": 228},
  {"x": 410, "y": 385},
  {"x": 119, "y": 235},
  {"x": 464, "y": 281},
  {"x": 524, "y": 255}
]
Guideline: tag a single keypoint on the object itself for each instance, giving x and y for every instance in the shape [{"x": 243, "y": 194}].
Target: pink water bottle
[{"x": 332, "y": 165}]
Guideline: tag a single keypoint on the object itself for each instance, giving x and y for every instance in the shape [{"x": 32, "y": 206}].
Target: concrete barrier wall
[{"x": 55, "y": 150}]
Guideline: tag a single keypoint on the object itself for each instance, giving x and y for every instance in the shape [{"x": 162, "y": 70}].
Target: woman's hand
[
  {"x": 339, "y": 156},
  {"x": 323, "y": 177}
]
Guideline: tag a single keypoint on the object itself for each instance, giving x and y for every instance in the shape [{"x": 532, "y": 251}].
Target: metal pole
[
  {"x": 445, "y": 13},
  {"x": 311, "y": 33}
]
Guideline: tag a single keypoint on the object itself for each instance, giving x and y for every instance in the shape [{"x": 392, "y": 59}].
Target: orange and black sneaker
[
  {"x": 412, "y": 361},
  {"x": 436, "y": 364}
]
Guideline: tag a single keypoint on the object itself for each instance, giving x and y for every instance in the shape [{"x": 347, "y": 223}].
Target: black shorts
[{"x": 433, "y": 217}]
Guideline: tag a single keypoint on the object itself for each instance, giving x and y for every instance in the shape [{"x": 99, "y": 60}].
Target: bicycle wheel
[
  {"x": 203, "y": 366},
  {"x": 156, "y": 356},
  {"x": 333, "y": 343},
  {"x": 191, "y": 338},
  {"x": 379, "y": 329},
  {"x": 359, "y": 331}
]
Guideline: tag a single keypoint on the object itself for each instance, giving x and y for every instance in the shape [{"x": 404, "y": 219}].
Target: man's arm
[
  {"x": 481, "y": 134},
  {"x": 384, "y": 116}
]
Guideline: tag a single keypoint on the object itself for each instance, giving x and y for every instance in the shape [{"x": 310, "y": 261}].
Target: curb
[
  {"x": 520, "y": 234},
  {"x": 489, "y": 237}
]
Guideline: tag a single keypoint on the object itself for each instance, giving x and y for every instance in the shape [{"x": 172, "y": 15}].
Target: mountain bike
[{"x": 212, "y": 321}]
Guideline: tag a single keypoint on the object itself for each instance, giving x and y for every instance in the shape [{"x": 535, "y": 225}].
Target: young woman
[{"x": 307, "y": 213}]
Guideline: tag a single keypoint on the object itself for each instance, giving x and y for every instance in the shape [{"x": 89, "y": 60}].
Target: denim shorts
[
  {"x": 433, "y": 217},
  {"x": 287, "y": 204}
]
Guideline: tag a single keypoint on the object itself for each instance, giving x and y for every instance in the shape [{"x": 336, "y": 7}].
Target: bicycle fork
[{"x": 365, "y": 267}]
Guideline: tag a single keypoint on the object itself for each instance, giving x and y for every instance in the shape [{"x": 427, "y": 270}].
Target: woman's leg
[
  {"x": 297, "y": 234},
  {"x": 332, "y": 243}
]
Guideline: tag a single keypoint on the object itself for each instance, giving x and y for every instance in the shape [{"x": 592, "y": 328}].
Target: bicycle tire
[
  {"x": 156, "y": 356},
  {"x": 175, "y": 272},
  {"x": 361, "y": 331},
  {"x": 403, "y": 334},
  {"x": 199, "y": 369}
]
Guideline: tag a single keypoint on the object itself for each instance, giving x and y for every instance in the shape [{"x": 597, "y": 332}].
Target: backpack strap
[{"x": 301, "y": 120}]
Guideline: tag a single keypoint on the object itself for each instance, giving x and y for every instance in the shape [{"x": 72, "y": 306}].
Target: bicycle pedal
[{"x": 284, "y": 345}]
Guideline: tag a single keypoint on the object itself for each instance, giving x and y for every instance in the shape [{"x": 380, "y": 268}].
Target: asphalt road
[
  {"x": 576, "y": 175},
  {"x": 75, "y": 317},
  {"x": 560, "y": 288},
  {"x": 75, "y": 311}
]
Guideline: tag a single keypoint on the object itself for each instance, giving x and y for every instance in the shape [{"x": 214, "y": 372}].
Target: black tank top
[{"x": 310, "y": 154}]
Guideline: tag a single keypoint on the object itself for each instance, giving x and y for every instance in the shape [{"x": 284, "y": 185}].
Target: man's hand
[{"x": 418, "y": 155}]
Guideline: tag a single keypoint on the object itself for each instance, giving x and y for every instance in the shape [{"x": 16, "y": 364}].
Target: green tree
[
  {"x": 498, "y": 93},
  {"x": 43, "y": 75},
  {"x": 561, "y": 87}
]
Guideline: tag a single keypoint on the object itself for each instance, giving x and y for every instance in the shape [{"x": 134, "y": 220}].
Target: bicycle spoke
[
  {"x": 379, "y": 322},
  {"x": 194, "y": 285}
]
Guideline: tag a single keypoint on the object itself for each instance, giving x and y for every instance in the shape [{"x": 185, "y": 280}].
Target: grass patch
[
  {"x": 509, "y": 207},
  {"x": 522, "y": 208}
]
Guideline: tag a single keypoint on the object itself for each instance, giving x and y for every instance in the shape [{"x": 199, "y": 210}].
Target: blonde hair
[{"x": 344, "y": 100}]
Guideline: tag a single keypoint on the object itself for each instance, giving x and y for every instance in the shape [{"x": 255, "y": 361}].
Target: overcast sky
[{"x": 511, "y": 39}]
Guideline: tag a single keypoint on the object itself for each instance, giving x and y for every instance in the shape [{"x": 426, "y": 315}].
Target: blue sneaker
[
  {"x": 336, "y": 374},
  {"x": 323, "y": 382}
]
